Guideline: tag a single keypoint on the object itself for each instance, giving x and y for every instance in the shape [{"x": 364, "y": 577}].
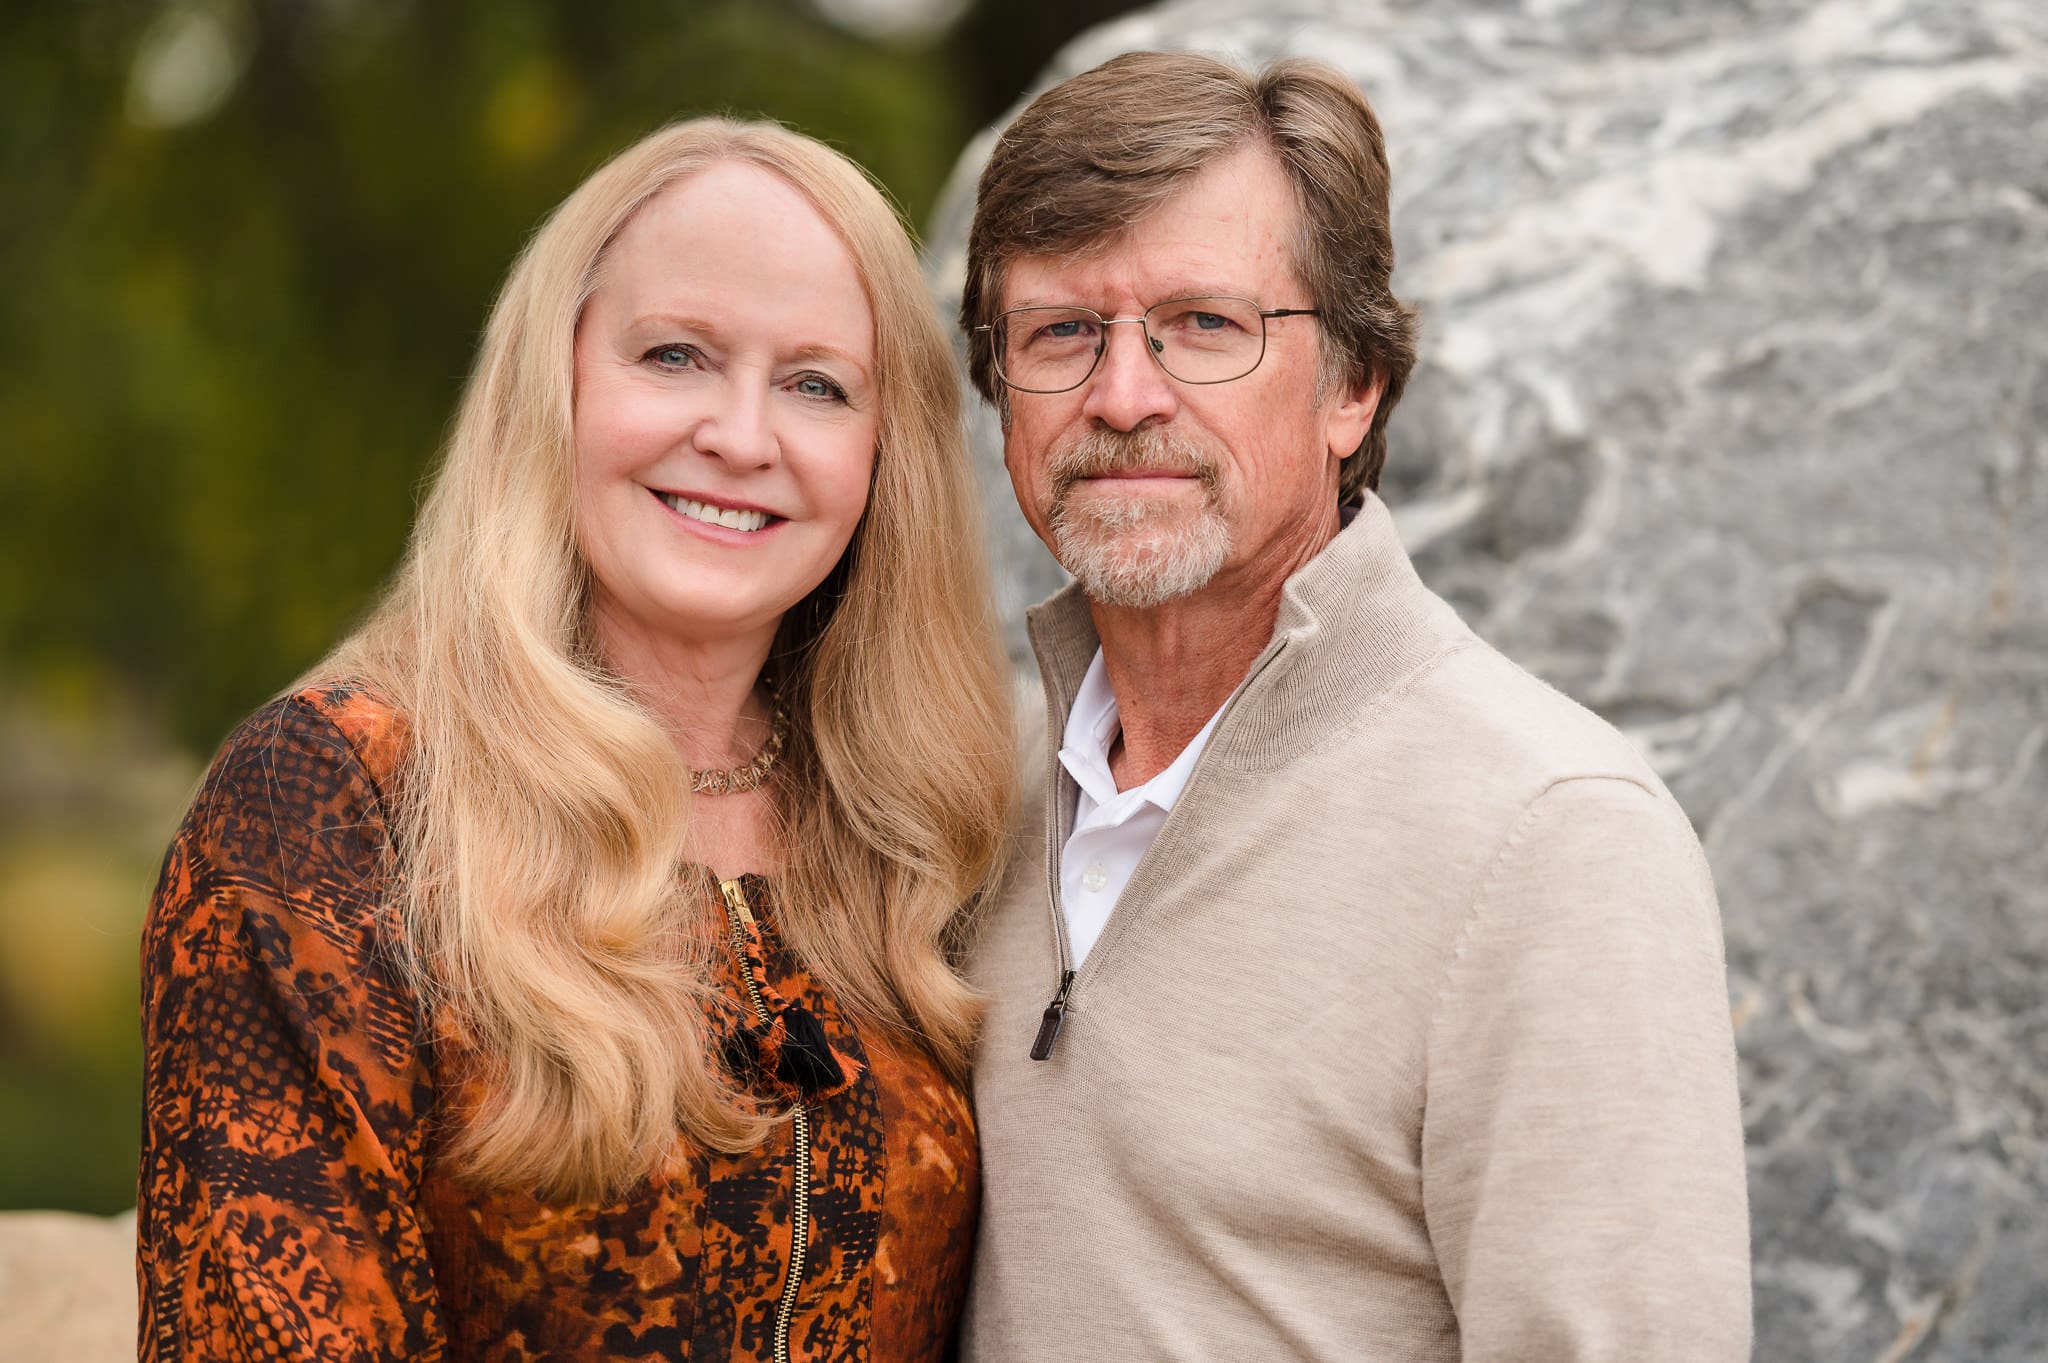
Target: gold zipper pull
[{"x": 736, "y": 900}]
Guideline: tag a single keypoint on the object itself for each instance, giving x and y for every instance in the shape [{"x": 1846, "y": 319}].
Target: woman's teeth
[{"x": 730, "y": 517}]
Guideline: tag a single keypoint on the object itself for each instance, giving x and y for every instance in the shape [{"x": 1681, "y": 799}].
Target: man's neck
[{"x": 1173, "y": 666}]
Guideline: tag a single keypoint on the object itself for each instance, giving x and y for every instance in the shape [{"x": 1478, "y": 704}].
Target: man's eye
[
  {"x": 1209, "y": 321},
  {"x": 672, "y": 356},
  {"x": 1066, "y": 329}
]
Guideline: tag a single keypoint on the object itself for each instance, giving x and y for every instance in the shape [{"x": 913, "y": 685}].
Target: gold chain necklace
[{"x": 735, "y": 780}]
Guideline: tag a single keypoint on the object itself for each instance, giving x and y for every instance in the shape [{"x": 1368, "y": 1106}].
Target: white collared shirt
[{"x": 1111, "y": 828}]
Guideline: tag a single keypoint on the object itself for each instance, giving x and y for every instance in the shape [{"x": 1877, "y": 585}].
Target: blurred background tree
[{"x": 248, "y": 248}]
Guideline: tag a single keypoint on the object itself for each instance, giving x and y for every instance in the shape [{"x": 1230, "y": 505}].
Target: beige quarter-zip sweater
[{"x": 1408, "y": 1040}]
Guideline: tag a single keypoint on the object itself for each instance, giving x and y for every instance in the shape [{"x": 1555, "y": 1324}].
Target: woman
[{"x": 471, "y": 1031}]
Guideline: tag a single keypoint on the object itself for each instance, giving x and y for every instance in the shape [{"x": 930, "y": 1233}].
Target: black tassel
[{"x": 807, "y": 1060}]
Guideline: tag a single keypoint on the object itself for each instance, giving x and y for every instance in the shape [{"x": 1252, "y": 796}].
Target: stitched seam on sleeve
[{"x": 1510, "y": 844}]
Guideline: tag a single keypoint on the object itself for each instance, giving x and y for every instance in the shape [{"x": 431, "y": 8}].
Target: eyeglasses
[{"x": 1209, "y": 338}]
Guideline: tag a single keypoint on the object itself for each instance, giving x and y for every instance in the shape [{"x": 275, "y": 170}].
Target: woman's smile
[{"x": 717, "y": 515}]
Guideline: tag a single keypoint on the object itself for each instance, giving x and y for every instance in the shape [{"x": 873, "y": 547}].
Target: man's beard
[{"x": 1135, "y": 551}]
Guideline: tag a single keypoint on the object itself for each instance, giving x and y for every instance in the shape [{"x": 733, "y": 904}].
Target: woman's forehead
[{"x": 737, "y": 244}]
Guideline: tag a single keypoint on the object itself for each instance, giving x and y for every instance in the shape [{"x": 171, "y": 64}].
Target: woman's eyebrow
[
  {"x": 654, "y": 321},
  {"x": 830, "y": 352},
  {"x": 651, "y": 320}
]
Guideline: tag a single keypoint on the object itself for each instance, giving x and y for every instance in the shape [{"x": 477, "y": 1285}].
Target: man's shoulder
[
  {"x": 1482, "y": 706},
  {"x": 1454, "y": 759}
]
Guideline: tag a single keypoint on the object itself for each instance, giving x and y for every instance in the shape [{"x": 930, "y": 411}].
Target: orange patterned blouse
[{"x": 293, "y": 1201}]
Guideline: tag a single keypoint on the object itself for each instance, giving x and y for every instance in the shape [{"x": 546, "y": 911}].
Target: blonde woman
[{"x": 562, "y": 970}]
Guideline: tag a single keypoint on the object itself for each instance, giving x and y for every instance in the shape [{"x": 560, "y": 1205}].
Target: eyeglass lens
[{"x": 1197, "y": 340}]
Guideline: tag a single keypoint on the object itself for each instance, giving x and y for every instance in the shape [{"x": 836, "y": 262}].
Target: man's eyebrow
[
  {"x": 1175, "y": 289},
  {"x": 1207, "y": 288}
]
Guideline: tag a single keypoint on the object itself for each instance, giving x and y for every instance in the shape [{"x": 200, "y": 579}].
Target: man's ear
[{"x": 1348, "y": 412}]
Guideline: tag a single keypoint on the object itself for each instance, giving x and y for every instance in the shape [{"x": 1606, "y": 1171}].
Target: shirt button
[{"x": 1094, "y": 877}]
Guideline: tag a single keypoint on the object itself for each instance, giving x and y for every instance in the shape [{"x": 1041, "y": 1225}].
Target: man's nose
[
  {"x": 737, "y": 427},
  {"x": 1128, "y": 387}
]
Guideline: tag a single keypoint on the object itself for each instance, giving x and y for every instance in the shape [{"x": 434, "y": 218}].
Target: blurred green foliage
[
  {"x": 231, "y": 345},
  {"x": 248, "y": 246}
]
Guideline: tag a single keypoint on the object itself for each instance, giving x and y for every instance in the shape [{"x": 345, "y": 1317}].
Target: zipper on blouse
[{"x": 741, "y": 917}]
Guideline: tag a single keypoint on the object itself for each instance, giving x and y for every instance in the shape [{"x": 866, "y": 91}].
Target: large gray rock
[{"x": 1731, "y": 423}]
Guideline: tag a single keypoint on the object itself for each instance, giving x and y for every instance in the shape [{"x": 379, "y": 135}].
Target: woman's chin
[{"x": 701, "y": 613}]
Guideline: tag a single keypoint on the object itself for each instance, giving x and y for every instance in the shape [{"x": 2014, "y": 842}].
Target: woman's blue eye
[
  {"x": 813, "y": 386},
  {"x": 672, "y": 356}
]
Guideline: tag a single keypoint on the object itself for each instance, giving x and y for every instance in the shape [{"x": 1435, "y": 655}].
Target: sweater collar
[{"x": 1355, "y": 623}]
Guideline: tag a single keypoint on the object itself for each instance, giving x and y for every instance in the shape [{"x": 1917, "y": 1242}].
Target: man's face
[{"x": 1147, "y": 488}]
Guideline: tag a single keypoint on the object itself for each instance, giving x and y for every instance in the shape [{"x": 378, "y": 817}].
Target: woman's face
[{"x": 726, "y": 413}]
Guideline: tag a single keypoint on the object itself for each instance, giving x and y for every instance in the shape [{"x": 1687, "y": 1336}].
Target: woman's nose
[{"x": 738, "y": 427}]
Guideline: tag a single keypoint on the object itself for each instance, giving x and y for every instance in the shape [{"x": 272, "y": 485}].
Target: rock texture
[
  {"x": 67, "y": 1287},
  {"x": 1732, "y": 422}
]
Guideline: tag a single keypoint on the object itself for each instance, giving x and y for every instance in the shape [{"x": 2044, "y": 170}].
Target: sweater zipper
[
  {"x": 741, "y": 917},
  {"x": 1055, "y": 834},
  {"x": 1055, "y": 1015}
]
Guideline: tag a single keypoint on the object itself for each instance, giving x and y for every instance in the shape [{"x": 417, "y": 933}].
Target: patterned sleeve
[{"x": 286, "y": 1089}]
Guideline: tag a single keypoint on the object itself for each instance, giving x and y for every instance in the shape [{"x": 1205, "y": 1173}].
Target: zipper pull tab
[
  {"x": 736, "y": 901},
  {"x": 1055, "y": 1014}
]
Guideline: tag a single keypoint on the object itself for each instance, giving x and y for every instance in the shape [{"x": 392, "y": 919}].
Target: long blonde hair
[{"x": 542, "y": 897}]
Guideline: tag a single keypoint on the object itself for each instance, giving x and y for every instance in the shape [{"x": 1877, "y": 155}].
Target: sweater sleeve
[
  {"x": 1583, "y": 1177},
  {"x": 285, "y": 1090}
]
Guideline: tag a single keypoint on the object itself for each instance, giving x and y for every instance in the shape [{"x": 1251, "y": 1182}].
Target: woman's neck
[
  {"x": 706, "y": 696},
  {"x": 705, "y": 693}
]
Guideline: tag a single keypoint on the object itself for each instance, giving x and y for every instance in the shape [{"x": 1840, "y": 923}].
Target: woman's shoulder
[
  {"x": 283, "y": 868},
  {"x": 270, "y": 971},
  {"x": 296, "y": 803},
  {"x": 329, "y": 734}
]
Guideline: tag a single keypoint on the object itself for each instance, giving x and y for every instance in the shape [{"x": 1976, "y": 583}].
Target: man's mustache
[{"x": 1100, "y": 453}]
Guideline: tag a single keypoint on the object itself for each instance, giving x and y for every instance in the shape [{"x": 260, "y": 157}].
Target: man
[{"x": 1353, "y": 995}]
